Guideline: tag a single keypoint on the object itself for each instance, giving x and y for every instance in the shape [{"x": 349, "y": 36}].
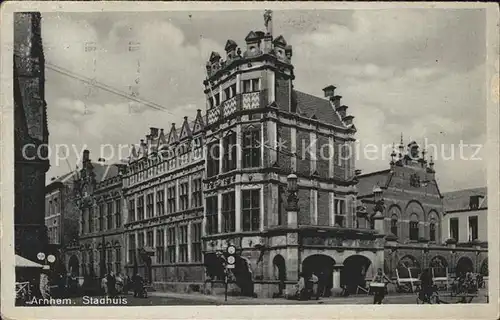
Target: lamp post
[{"x": 44, "y": 278}]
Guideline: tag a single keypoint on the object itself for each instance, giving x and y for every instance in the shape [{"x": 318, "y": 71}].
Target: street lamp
[
  {"x": 292, "y": 182},
  {"x": 292, "y": 202}
]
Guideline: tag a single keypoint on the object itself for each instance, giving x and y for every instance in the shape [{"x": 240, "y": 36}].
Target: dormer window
[{"x": 474, "y": 202}]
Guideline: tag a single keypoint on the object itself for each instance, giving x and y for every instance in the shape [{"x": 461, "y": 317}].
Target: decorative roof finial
[{"x": 268, "y": 21}]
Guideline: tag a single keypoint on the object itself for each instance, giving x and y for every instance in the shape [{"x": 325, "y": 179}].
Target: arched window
[
  {"x": 432, "y": 230},
  {"x": 414, "y": 227},
  {"x": 394, "y": 224}
]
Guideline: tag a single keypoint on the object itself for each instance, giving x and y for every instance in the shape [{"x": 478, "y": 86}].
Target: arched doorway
[
  {"x": 408, "y": 267},
  {"x": 354, "y": 272},
  {"x": 484, "y": 268},
  {"x": 438, "y": 262},
  {"x": 74, "y": 266},
  {"x": 464, "y": 265},
  {"x": 280, "y": 271},
  {"x": 214, "y": 267},
  {"x": 322, "y": 266},
  {"x": 244, "y": 276}
]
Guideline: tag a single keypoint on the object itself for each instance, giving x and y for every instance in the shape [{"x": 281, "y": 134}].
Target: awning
[{"x": 25, "y": 263}]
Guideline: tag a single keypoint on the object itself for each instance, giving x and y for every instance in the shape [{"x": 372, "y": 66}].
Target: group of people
[
  {"x": 113, "y": 285},
  {"x": 309, "y": 286}
]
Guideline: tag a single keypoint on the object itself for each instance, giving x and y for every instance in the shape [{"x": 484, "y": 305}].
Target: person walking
[
  {"x": 378, "y": 285},
  {"x": 314, "y": 281},
  {"x": 426, "y": 285},
  {"x": 111, "y": 283}
]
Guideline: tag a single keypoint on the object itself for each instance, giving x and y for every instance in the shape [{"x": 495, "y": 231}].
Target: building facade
[
  {"x": 414, "y": 216},
  {"x": 30, "y": 136},
  {"x": 164, "y": 204},
  {"x": 99, "y": 198},
  {"x": 61, "y": 213},
  {"x": 466, "y": 220}
]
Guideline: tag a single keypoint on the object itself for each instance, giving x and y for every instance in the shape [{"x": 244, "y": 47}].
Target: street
[{"x": 164, "y": 298}]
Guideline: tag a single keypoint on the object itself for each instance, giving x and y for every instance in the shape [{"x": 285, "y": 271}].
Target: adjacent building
[
  {"x": 98, "y": 196},
  {"x": 61, "y": 213},
  {"x": 30, "y": 136},
  {"x": 465, "y": 220}
]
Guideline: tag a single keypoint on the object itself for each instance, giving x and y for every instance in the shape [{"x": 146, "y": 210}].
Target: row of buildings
[{"x": 253, "y": 172}]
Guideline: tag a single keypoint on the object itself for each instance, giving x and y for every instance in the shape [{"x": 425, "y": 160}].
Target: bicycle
[{"x": 433, "y": 298}]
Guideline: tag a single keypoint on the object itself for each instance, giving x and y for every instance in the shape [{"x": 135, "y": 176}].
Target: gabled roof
[
  {"x": 460, "y": 199},
  {"x": 214, "y": 56},
  {"x": 104, "y": 171},
  {"x": 251, "y": 36},
  {"x": 198, "y": 124},
  {"x": 310, "y": 105},
  {"x": 280, "y": 40},
  {"x": 367, "y": 181},
  {"x": 185, "y": 130},
  {"x": 230, "y": 44},
  {"x": 173, "y": 135}
]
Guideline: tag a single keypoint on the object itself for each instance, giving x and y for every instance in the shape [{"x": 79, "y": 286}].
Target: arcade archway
[
  {"x": 322, "y": 266},
  {"x": 74, "y": 266},
  {"x": 464, "y": 265},
  {"x": 279, "y": 266},
  {"x": 484, "y": 268},
  {"x": 354, "y": 273}
]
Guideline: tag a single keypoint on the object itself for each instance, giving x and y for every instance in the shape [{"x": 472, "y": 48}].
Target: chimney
[
  {"x": 86, "y": 156},
  {"x": 329, "y": 91},
  {"x": 341, "y": 110},
  {"x": 348, "y": 119}
]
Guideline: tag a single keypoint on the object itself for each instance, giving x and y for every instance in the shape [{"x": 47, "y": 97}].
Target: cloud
[{"x": 420, "y": 72}]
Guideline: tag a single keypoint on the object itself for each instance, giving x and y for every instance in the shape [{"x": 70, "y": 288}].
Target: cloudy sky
[{"x": 416, "y": 71}]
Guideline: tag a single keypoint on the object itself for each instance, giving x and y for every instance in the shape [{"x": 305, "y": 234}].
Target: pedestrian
[
  {"x": 111, "y": 283},
  {"x": 314, "y": 290},
  {"x": 321, "y": 285},
  {"x": 378, "y": 285},
  {"x": 426, "y": 283},
  {"x": 138, "y": 285},
  {"x": 301, "y": 288}
]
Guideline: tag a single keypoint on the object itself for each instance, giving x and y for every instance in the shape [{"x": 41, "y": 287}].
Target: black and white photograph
[{"x": 279, "y": 155}]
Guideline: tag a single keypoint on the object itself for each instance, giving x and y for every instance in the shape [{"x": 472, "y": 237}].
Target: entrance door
[
  {"x": 322, "y": 266},
  {"x": 354, "y": 272}
]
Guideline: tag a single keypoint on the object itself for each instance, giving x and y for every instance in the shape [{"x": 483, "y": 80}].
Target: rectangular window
[
  {"x": 228, "y": 212},
  {"x": 213, "y": 154},
  {"x": 246, "y": 85},
  {"x": 83, "y": 226},
  {"x": 149, "y": 239},
  {"x": 140, "y": 240},
  {"x": 118, "y": 264},
  {"x": 340, "y": 218},
  {"x": 171, "y": 199},
  {"x": 149, "y": 206},
  {"x": 91, "y": 219},
  {"x": 101, "y": 217},
  {"x": 109, "y": 261},
  {"x": 413, "y": 230},
  {"x": 171, "y": 245},
  {"x": 229, "y": 148},
  {"x": 132, "y": 248},
  {"x": 183, "y": 196},
  {"x": 197, "y": 193},
  {"x": 183, "y": 244},
  {"x": 251, "y": 149},
  {"x": 454, "y": 229},
  {"x": 473, "y": 228},
  {"x": 255, "y": 85},
  {"x": 118, "y": 213},
  {"x": 217, "y": 99},
  {"x": 131, "y": 210},
  {"x": 212, "y": 215},
  {"x": 109, "y": 217},
  {"x": 140, "y": 208},
  {"x": 251, "y": 210},
  {"x": 196, "y": 242},
  {"x": 160, "y": 246},
  {"x": 160, "y": 202}
]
